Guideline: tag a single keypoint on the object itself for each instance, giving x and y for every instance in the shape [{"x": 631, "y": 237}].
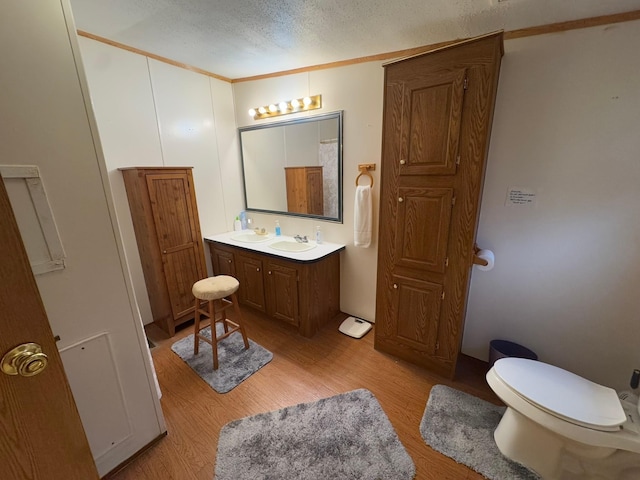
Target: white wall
[
  {"x": 567, "y": 269},
  {"x": 356, "y": 89},
  {"x": 153, "y": 114},
  {"x": 47, "y": 123}
]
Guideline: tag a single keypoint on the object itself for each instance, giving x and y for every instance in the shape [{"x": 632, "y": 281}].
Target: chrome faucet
[{"x": 300, "y": 239}]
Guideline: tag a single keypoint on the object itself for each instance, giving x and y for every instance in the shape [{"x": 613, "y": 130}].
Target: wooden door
[
  {"x": 251, "y": 291},
  {"x": 437, "y": 117},
  {"x": 282, "y": 292},
  {"x": 41, "y": 435},
  {"x": 176, "y": 222}
]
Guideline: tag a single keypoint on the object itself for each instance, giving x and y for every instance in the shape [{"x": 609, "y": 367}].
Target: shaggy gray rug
[
  {"x": 461, "y": 426},
  {"x": 235, "y": 363},
  {"x": 347, "y": 436}
]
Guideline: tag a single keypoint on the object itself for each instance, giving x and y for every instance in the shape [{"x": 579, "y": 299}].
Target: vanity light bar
[{"x": 283, "y": 108}]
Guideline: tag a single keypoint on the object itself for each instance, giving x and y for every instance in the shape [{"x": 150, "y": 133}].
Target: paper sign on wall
[{"x": 520, "y": 196}]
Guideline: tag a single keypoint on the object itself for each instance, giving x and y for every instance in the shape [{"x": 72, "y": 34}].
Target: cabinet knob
[
  {"x": 402, "y": 162},
  {"x": 400, "y": 199},
  {"x": 395, "y": 285},
  {"x": 164, "y": 251},
  {"x": 257, "y": 269},
  {"x": 229, "y": 261}
]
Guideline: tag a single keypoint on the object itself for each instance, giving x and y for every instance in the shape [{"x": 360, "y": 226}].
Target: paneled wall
[
  {"x": 567, "y": 267},
  {"x": 153, "y": 114}
]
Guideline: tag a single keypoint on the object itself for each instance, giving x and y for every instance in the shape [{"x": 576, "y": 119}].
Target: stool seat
[{"x": 215, "y": 288}]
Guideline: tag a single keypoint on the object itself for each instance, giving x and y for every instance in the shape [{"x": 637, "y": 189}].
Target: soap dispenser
[
  {"x": 237, "y": 225},
  {"x": 277, "y": 228},
  {"x": 318, "y": 235}
]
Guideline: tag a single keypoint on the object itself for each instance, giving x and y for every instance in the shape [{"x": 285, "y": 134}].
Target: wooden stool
[{"x": 215, "y": 290}]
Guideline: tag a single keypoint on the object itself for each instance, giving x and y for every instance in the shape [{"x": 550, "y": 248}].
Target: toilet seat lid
[{"x": 561, "y": 393}]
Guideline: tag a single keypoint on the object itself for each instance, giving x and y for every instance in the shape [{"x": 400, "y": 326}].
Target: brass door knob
[{"x": 26, "y": 360}]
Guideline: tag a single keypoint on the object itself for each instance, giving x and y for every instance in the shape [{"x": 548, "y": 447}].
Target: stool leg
[
  {"x": 214, "y": 336},
  {"x": 224, "y": 316},
  {"x": 196, "y": 328},
  {"x": 240, "y": 322}
]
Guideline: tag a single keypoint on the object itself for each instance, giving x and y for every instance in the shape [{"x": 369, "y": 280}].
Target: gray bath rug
[
  {"x": 343, "y": 437},
  {"x": 235, "y": 363},
  {"x": 461, "y": 426}
]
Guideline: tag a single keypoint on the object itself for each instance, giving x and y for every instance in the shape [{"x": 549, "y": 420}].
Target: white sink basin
[
  {"x": 289, "y": 246},
  {"x": 250, "y": 237}
]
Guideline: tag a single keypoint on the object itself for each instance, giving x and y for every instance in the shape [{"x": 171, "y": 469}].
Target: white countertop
[{"x": 316, "y": 253}]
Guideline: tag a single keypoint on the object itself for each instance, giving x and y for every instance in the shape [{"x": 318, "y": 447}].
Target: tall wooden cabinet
[
  {"x": 304, "y": 190},
  {"x": 438, "y": 110},
  {"x": 163, "y": 208}
]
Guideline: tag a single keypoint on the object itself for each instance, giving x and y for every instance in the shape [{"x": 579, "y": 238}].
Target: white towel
[{"x": 362, "y": 217}]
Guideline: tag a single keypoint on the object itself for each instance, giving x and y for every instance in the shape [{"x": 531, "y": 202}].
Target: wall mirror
[{"x": 294, "y": 167}]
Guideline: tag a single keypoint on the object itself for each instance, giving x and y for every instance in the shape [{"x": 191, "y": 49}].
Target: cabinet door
[
  {"x": 282, "y": 292},
  {"x": 175, "y": 218},
  {"x": 437, "y": 118},
  {"x": 222, "y": 262},
  {"x": 315, "y": 194},
  {"x": 251, "y": 291}
]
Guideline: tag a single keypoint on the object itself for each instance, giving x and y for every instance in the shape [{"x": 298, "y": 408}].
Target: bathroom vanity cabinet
[
  {"x": 305, "y": 294},
  {"x": 164, "y": 212},
  {"x": 438, "y": 111}
]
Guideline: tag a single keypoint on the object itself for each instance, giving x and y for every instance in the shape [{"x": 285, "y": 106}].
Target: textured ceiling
[{"x": 241, "y": 38}]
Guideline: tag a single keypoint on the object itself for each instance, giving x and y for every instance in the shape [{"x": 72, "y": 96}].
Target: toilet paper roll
[{"x": 489, "y": 257}]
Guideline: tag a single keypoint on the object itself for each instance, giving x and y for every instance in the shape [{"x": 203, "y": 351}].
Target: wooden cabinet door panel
[
  {"x": 282, "y": 289},
  {"x": 422, "y": 227},
  {"x": 315, "y": 194},
  {"x": 251, "y": 291},
  {"x": 223, "y": 263},
  {"x": 181, "y": 272},
  {"x": 416, "y": 313},
  {"x": 431, "y": 124},
  {"x": 170, "y": 201},
  {"x": 178, "y": 238}
]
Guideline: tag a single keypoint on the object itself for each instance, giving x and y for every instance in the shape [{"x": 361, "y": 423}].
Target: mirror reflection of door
[{"x": 294, "y": 167}]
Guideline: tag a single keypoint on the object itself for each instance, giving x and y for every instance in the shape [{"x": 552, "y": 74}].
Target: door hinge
[
  {"x": 458, "y": 160},
  {"x": 437, "y": 345},
  {"x": 442, "y": 296},
  {"x": 465, "y": 85},
  {"x": 446, "y": 262},
  {"x": 453, "y": 201}
]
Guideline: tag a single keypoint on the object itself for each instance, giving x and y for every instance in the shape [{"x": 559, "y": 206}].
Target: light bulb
[
  {"x": 295, "y": 103},
  {"x": 273, "y": 108},
  {"x": 306, "y": 101},
  {"x": 283, "y": 106},
  {"x": 262, "y": 110},
  {"x": 252, "y": 112}
]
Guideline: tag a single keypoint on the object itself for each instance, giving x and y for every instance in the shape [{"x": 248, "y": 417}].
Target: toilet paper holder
[{"x": 476, "y": 259}]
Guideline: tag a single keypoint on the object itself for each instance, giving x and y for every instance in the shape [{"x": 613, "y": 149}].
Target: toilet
[{"x": 564, "y": 426}]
